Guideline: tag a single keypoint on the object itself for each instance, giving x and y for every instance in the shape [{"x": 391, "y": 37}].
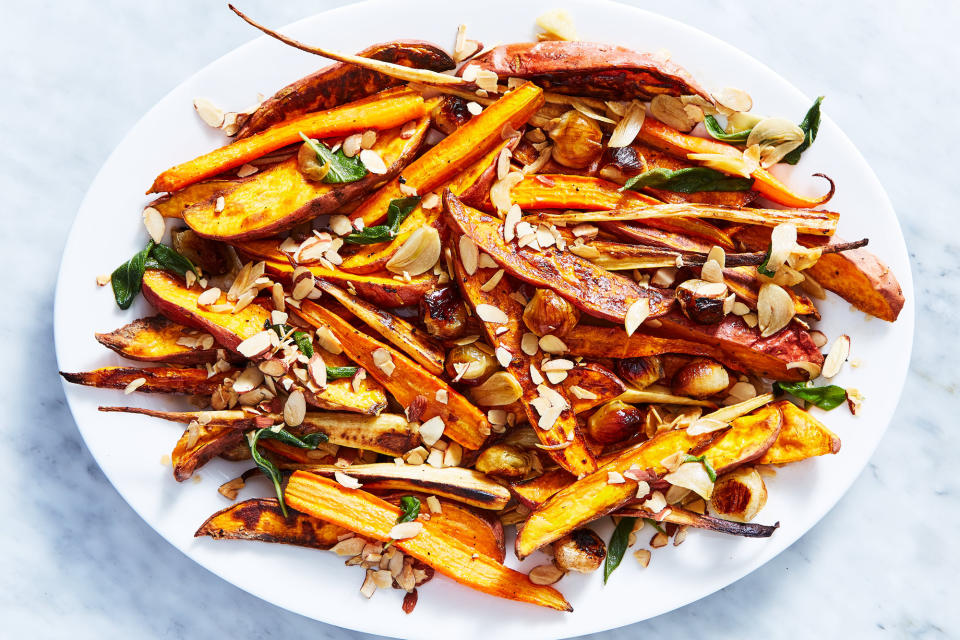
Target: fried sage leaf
[
  {"x": 689, "y": 180},
  {"x": 410, "y": 507},
  {"x": 617, "y": 546},
  {"x": 717, "y": 133},
  {"x": 827, "y": 397},
  {"x": 127, "y": 278},
  {"x": 343, "y": 168},
  {"x": 397, "y": 212},
  {"x": 269, "y": 469},
  {"x": 810, "y": 125}
]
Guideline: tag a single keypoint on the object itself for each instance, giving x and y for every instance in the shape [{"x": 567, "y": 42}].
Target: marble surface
[{"x": 78, "y": 561}]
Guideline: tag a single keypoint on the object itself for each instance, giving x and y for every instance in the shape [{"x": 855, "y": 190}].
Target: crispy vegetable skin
[
  {"x": 744, "y": 282},
  {"x": 857, "y": 276},
  {"x": 575, "y": 456},
  {"x": 593, "y": 496},
  {"x": 193, "y": 450},
  {"x": 371, "y": 517},
  {"x": 339, "y": 83},
  {"x": 457, "y": 151},
  {"x": 387, "y": 433},
  {"x": 478, "y": 176},
  {"x": 464, "y": 423},
  {"x": 154, "y": 339},
  {"x": 411, "y": 340},
  {"x": 385, "y": 111},
  {"x": 280, "y": 197},
  {"x": 683, "y": 517},
  {"x": 261, "y": 519},
  {"x": 672, "y": 239},
  {"x": 595, "y": 379},
  {"x": 730, "y": 342},
  {"x": 659, "y": 135},
  {"x": 592, "y": 289},
  {"x": 170, "y": 296},
  {"x": 158, "y": 379},
  {"x": 456, "y": 483},
  {"x": 589, "y": 69},
  {"x": 801, "y": 437}
]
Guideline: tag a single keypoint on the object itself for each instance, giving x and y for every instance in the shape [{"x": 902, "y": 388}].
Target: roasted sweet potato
[
  {"x": 201, "y": 444},
  {"x": 801, "y": 437},
  {"x": 384, "y": 111},
  {"x": 172, "y": 205},
  {"x": 595, "y": 291},
  {"x": 371, "y": 517},
  {"x": 593, "y": 496},
  {"x": 683, "y": 517},
  {"x": 405, "y": 336},
  {"x": 457, "y": 151},
  {"x": 155, "y": 339},
  {"x": 367, "y": 396},
  {"x": 280, "y": 197},
  {"x": 170, "y": 296},
  {"x": 659, "y": 135},
  {"x": 340, "y": 83},
  {"x": 563, "y": 431},
  {"x": 670, "y": 239},
  {"x": 387, "y": 433},
  {"x": 595, "y": 379},
  {"x": 465, "y": 423},
  {"x": 261, "y": 519},
  {"x": 456, "y": 483},
  {"x": 157, "y": 379},
  {"x": 534, "y": 492},
  {"x": 744, "y": 282},
  {"x": 590, "y": 69},
  {"x": 479, "y": 175},
  {"x": 857, "y": 276}
]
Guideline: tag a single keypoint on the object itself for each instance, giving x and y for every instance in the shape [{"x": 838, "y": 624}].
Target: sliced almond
[
  {"x": 670, "y": 111},
  {"x": 373, "y": 162},
  {"x": 133, "y": 385},
  {"x": 711, "y": 271},
  {"x": 346, "y": 481},
  {"x": 545, "y": 574},
  {"x": 629, "y": 126},
  {"x": 838, "y": 354},
  {"x": 643, "y": 557},
  {"x": 351, "y": 145},
  {"x": 733, "y": 99},
  {"x": 208, "y": 297},
  {"x": 504, "y": 357},
  {"x": 295, "y": 408},
  {"x": 418, "y": 254},
  {"x": 552, "y": 344},
  {"x": 406, "y": 530},
  {"x": 529, "y": 343},
  {"x": 775, "y": 309},
  {"x": 155, "y": 224},
  {"x": 256, "y": 345},
  {"x": 210, "y": 113},
  {"x": 490, "y": 313},
  {"x": 432, "y": 430},
  {"x": 636, "y": 314},
  {"x": 469, "y": 255}
]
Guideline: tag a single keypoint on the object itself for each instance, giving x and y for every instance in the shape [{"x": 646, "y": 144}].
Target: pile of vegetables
[{"x": 557, "y": 286}]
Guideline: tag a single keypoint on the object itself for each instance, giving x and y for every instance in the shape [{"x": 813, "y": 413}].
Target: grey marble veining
[{"x": 77, "y": 561}]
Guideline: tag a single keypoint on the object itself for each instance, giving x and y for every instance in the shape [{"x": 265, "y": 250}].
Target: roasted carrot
[
  {"x": 407, "y": 382},
  {"x": 659, "y": 135},
  {"x": 457, "y": 151},
  {"x": 593, "y": 496},
  {"x": 563, "y": 431},
  {"x": 594, "y": 290},
  {"x": 389, "y": 109},
  {"x": 371, "y": 517}
]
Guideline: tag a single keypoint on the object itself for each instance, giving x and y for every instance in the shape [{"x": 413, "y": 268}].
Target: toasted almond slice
[
  {"x": 256, "y": 345},
  {"x": 838, "y": 354},
  {"x": 346, "y": 481},
  {"x": 775, "y": 309},
  {"x": 432, "y": 430},
  {"x": 636, "y": 314},
  {"x": 295, "y": 408},
  {"x": 155, "y": 224},
  {"x": 490, "y": 313},
  {"x": 469, "y": 254},
  {"x": 643, "y": 557},
  {"x": 629, "y": 126},
  {"x": 373, "y": 162},
  {"x": 210, "y": 113},
  {"x": 545, "y": 574}
]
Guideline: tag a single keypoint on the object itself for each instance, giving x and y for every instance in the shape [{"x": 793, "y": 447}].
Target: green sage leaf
[
  {"x": 702, "y": 459},
  {"x": 810, "y": 125},
  {"x": 273, "y": 473},
  {"x": 397, "y": 212},
  {"x": 170, "y": 260},
  {"x": 690, "y": 180},
  {"x": 827, "y": 397},
  {"x": 334, "y": 373},
  {"x": 617, "y": 546},
  {"x": 717, "y": 133},
  {"x": 303, "y": 343},
  {"x": 127, "y": 279},
  {"x": 343, "y": 169},
  {"x": 656, "y": 525},
  {"x": 410, "y": 507}
]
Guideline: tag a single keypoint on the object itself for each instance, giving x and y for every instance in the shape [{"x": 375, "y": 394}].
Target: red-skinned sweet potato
[
  {"x": 156, "y": 339},
  {"x": 589, "y": 69},
  {"x": 156, "y": 379},
  {"x": 801, "y": 437}
]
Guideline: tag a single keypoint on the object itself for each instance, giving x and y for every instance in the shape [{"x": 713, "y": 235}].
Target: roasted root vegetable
[
  {"x": 371, "y": 517},
  {"x": 801, "y": 437},
  {"x": 281, "y": 196},
  {"x": 594, "y": 496},
  {"x": 593, "y": 290},
  {"x": 463, "y": 422},
  {"x": 614, "y": 422},
  {"x": 261, "y": 519},
  {"x": 739, "y": 495},
  {"x": 582, "y": 551},
  {"x": 154, "y": 380},
  {"x": 503, "y": 461},
  {"x": 172, "y": 298},
  {"x": 700, "y": 378},
  {"x": 392, "y": 109},
  {"x": 199, "y": 444},
  {"x": 340, "y": 83},
  {"x": 588, "y": 69},
  {"x": 156, "y": 339},
  {"x": 685, "y": 518}
]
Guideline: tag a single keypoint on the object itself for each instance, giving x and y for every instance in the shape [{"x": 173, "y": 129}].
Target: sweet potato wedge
[
  {"x": 593, "y": 496},
  {"x": 465, "y": 423},
  {"x": 656, "y": 134},
  {"x": 456, "y": 483},
  {"x": 193, "y": 450},
  {"x": 157, "y": 379},
  {"x": 683, "y": 517},
  {"x": 457, "y": 151},
  {"x": 170, "y": 296},
  {"x": 595, "y": 379},
  {"x": 367, "y": 398},
  {"x": 744, "y": 282},
  {"x": 589, "y": 69},
  {"x": 479, "y": 175},
  {"x": 595, "y": 291},
  {"x": 857, "y": 276},
  {"x": 564, "y": 431},
  {"x": 340, "y": 83},
  {"x": 413, "y": 341},
  {"x": 670, "y": 239},
  {"x": 172, "y": 205},
  {"x": 280, "y": 197},
  {"x": 155, "y": 339},
  {"x": 387, "y": 433},
  {"x": 534, "y": 492},
  {"x": 389, "y": 109},
  {"x": 261, "y": 519},
  {"x": 374, "y": 518},
  {"x": 801, "y": 437}
]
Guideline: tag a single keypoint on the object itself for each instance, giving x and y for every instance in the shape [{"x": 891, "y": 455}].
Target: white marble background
[{"x": 77, "y": 561}]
